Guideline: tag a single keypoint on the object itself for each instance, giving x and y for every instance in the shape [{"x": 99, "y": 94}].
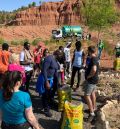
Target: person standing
[
  {"x": 91, "y": 76},
  {"x": 60, "y": 56},
  {"x": 37, "y": 58},
  {"x": 78, "y": 62},
  {"x": 15, "y": 105},
  {"x": 4, "y": 58},
  {"x": 67, "y": 60},
  {"x": 15, "y": 66},
  {"x": 26, "y": 60},
  {"x": 47, "y": 82},
  {"x": 117, "y": 50},
  {"x": 101, "y": 46}
]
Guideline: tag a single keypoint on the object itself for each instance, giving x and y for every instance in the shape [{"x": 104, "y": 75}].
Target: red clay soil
[{"x": 26, "y": 32}]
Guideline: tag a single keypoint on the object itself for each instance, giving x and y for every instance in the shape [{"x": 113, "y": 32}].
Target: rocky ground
[{"x": 108, "y": 89}]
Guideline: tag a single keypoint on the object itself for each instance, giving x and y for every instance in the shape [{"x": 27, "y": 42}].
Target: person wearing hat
[
  {"x": 37, "y": 58},
  {"x": 67, "y": 59},
  {"x": 26, "y": 60}
]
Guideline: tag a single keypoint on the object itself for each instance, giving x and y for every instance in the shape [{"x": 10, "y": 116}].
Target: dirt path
[{"x": 54, "y": 121}]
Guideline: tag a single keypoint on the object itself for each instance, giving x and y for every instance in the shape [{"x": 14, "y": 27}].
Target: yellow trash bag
[
  {"x": 117, "y": 64},
  {"x": 73, "y": 116},
  {"x": 64, "y": 93}
]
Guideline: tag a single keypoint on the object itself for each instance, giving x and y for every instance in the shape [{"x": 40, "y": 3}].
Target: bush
[
  {"x": 14, "y": 42},
  {"x": 1, "y": 40},
  {"x": 47, "y": 42},
  {"x": 36, "y": 41},
  {"x": 21, "y": 42},
  {"x": 109, "y": 48}
]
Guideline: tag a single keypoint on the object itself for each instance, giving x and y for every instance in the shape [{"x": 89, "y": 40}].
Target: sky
[{"x": 10, "y": 5}]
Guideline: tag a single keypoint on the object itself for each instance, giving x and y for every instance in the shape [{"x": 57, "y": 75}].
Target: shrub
[
  {"x": 14, "y": 42},
  {"x": 36, "y": 41},
  {"x": 109, "y": 48},
  {"x": 1, "y": 40},
  {"x": 46, "y": 42},
  {"x": 21, "y": 42}
]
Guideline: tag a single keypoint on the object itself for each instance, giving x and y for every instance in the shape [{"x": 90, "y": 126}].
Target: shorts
[
  {"x": 89, "y": 88},
  {"x": 36, "y": 66},
  {"x": 25, "y": 125}
]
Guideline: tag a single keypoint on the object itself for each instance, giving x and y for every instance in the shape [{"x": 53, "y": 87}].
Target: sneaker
[
  {"x": 65, "y": 78},
  {"x": 91, "y": 117},
  {"x": 48, "y": 113},
  {"x": 69, "y": 75},
  {"x": 75, "y": 89}
]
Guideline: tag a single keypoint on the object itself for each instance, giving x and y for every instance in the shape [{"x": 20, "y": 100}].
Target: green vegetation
[
  {"x": 99, "y": 14},
  {"x": 109, "y": 48},
  {"x": 1, "y": 40},
  {"x": 6, "y": 17},
  {"x": 14, "y": 42},
  {"x": 36, "y": 41}
]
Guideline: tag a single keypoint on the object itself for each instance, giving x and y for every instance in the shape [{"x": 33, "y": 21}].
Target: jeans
[
  {"x": 99, "y": 53},
  {"x": 74, "y": 70},
  {"x": 28, "y": 77},
  {"x": 67, "y": 67},
  {"x": 48, "y": 95}
]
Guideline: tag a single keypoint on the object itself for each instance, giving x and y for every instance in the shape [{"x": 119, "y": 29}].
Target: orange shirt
[{"x": 4, "y": 61}]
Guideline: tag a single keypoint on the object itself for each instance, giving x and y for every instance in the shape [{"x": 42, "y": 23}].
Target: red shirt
[{"x": 37, "y": 58}]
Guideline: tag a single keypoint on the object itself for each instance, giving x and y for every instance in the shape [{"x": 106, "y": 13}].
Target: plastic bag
[
  {"x": 117, "y": 64},
  {"x": 73, "y": 116},
  {"x": 64, "y": 93}
]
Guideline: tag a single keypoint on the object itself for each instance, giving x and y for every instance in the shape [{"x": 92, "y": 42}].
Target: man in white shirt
[
  {"x": 26, "y": 60},
  {"x": 67, "y": 58}
]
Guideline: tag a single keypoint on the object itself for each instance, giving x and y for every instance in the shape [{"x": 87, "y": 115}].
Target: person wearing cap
[
  {"x": 37, "y": 59},
  {"x": 67, "y": 59},
  {"x": 26, "y": 60}
]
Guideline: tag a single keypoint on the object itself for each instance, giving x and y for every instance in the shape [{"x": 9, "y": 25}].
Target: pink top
[{"x": 16, "y": 67}]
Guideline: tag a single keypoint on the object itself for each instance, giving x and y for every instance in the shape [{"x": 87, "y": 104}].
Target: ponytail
[{"x": 10, "y": 80}]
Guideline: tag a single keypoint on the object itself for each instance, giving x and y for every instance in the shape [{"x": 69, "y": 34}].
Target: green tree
[
  {"x": 99, "y": 14},
  {"x": 33, "y": 4}
]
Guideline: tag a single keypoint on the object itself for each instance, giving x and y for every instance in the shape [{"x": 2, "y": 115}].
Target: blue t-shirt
[{"x": 13, "y": 111}]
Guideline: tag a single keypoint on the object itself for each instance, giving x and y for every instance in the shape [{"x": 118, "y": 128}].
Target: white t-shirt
[
  {"x": 67, "y": 54},
  {"x": 27, "y": 67}
]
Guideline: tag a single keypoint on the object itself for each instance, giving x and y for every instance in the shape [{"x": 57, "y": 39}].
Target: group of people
[{"x": 52, "y": 69}]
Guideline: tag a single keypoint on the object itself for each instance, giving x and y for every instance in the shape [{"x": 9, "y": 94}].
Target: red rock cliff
[{"x": 51, "y": 13}]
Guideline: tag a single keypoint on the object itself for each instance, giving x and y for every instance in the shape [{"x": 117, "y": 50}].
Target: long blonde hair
[{"x": 14, "y": 58}]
